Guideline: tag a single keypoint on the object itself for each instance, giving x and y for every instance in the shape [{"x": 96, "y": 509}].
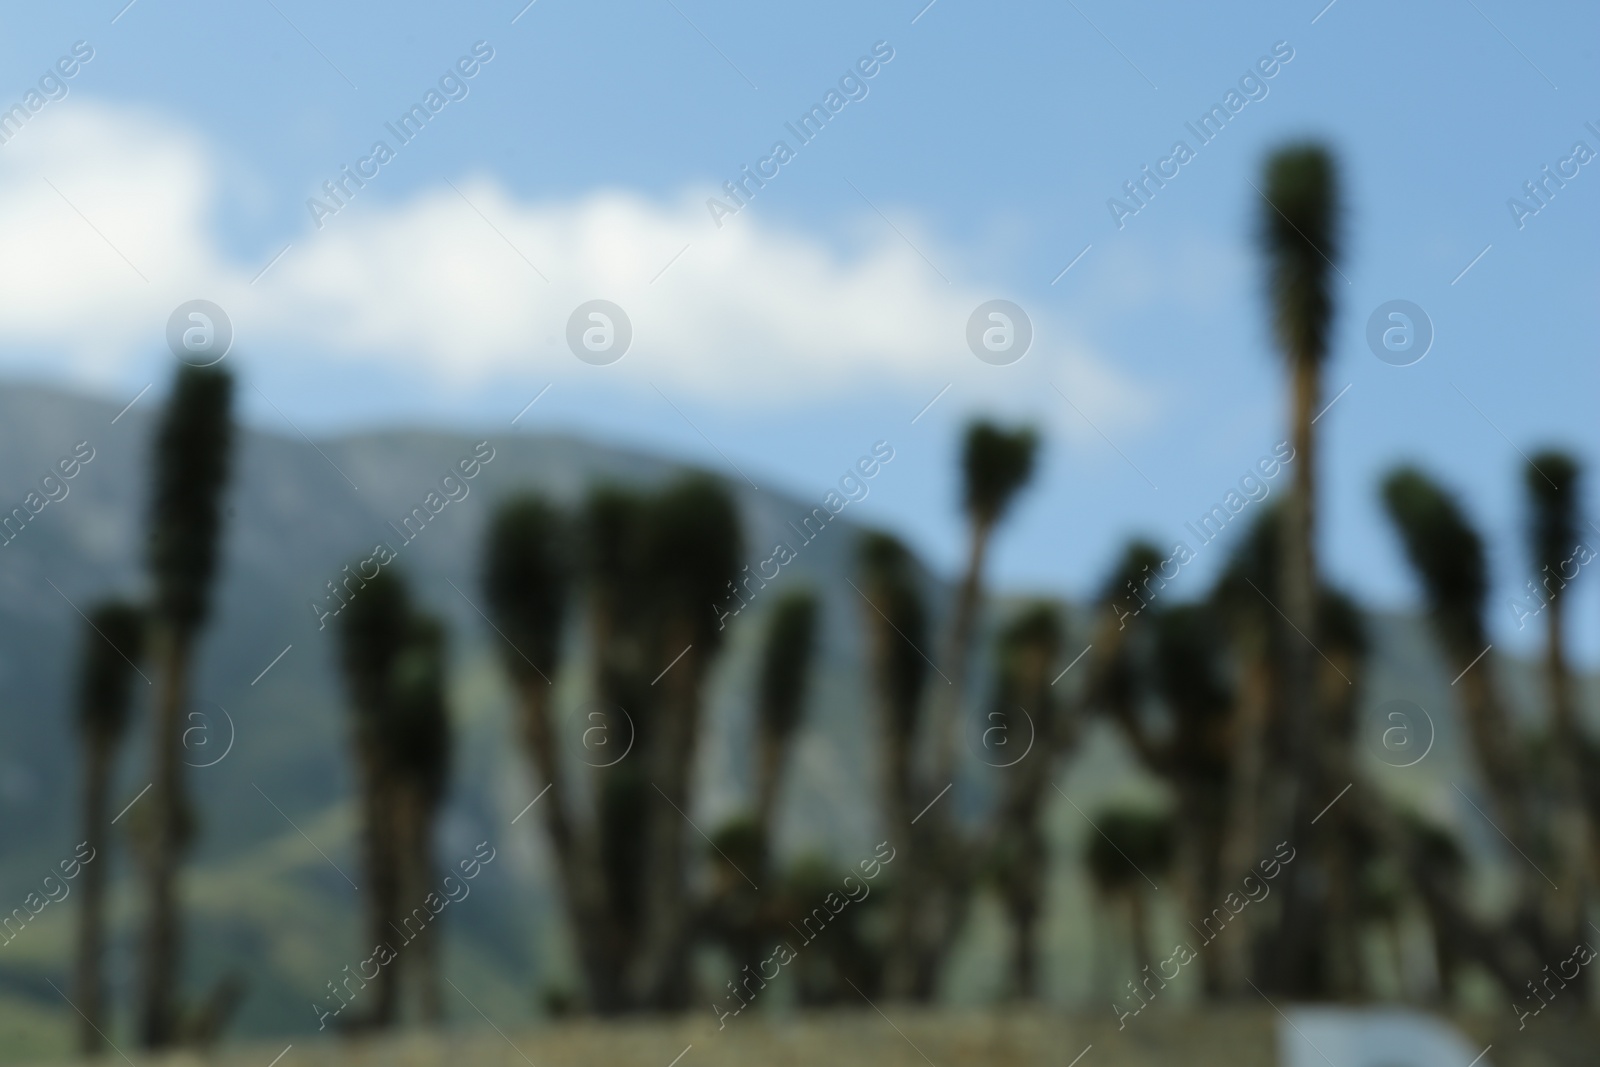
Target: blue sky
[{"x": 829, "y": 311}]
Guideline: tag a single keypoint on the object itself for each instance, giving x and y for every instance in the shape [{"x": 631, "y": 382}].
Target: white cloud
[{"x": 750, "y": 313}]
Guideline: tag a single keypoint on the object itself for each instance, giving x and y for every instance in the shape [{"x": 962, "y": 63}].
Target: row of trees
[{"x": 1242, "y": 703}]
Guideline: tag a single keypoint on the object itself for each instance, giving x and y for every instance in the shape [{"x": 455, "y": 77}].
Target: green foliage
[
  {"x": 1139, "y": 560},
  {"x": 1037, "y": 625},
  {"x": 786, "y": 661},
  {"x": 1555, "y": 509},
  {"x": 373, "y": 628},
  {"x": 113, "y": 642},
  {"x": 525, "y": 578},
  {"x": 192, "y": 455},
  {"x": 1444, "y": 550},
  {"x": 1300, "y": 236},
  {"x": 693, "y": 544},
  {"x": 1130, "y": 845},
  {"x": 995, "y": 464},
  {"x": 417, "y": 732},
  {"x": 1191, "y": 662}
]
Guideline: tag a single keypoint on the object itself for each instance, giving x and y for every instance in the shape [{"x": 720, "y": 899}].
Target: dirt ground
[{"x": 904, "y": 1038}]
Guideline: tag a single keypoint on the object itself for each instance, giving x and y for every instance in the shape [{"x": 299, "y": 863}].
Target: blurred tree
[
  {"x": 373, "y": 631},
  {"x": 897, "y": 628},
  {"x": 1026, "y": 653},
  {"x": 693, "y": 543},
  {"x": 112, "y": 646},
  {"x": 1555, "y": 537},
  {"x": 785, "y": 665},
  {"x": 995, "y": 466},
  {"x": 418, "y": 740},
  {"x": 190, "y": 467},
  {"x": 1129, "y": 848},
  {"x": 527, "y": 561},
  {"x": 1300, "y": 239},
  {"x": 846, "y": 953},
  {"x": 653, "y": 566},
  {"x": 1448, "y": 557}
]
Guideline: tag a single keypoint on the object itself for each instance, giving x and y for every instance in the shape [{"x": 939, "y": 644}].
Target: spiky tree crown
[
  {"x": 693, "y": 544},
  {"x": 995, "y": 464},
  {"x": 1300, "y": 236},
  {"x": 1190, "y": 661},
  {"x": 525, "y": 577},
  {"x": 786, "y": 660},
  {"x": 1036, "y": 626},
  {"x": 1443, "y": 548},
  {"x": 373, "y": 630},
  {"x": 417, "y": 733},
  {"x": 891, "y": 583},
  {"x": 192, "y": 455},
  {"x": 1139, "y": 559},
  {"x": 1555, "y": 509},
  {"x": 1131, "y": 843},
  {"x": 112, "y": 644}
]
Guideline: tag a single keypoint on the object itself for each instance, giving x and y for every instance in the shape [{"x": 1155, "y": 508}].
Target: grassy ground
[{"x": 1218, "y": 1038}]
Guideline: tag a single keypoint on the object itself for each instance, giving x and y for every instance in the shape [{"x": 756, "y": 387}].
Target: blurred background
[{"x": 1097, "y": 522}]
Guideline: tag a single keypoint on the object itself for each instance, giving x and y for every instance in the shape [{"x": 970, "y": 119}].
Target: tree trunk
[
  {"x": 1294, "y": 962},
  {"x": 1571, "y": 830},
  {"x": 897, "y": 784},
  {"x": 89, "y": 983},
  {"x": 575, "y": 856},
  {"x": 380, "y": 859},
  {"x": 662, "y": 965},
  {"x": 170, "y": 830},
  {"x": 1242, "y": 835}
]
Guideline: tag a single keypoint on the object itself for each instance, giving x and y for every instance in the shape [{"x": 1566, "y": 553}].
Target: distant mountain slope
[{"x": 263, "y": 898}]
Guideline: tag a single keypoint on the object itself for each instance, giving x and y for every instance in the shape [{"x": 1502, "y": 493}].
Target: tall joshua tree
[
  {"x": 784, "y": 666},
  {"x": 693, "y": 542},
  {"x": 1027, "y": 649},
  {"x": 191, "y": 464},
  {"x": 995, "y": 465},
  {"x": 1300, "y": 240},
  {"x": 372, "y": 636},
  {"x": 897, "y": 626},
  {"x": 112, "y": 645},
  {"x": 526, "y": 566},
  {"x": 1554, "y": 535},
  {"x": 418, "y": 739},
  {"x": 1130, "y": 848},
  {"x": 1447, "y": 554},
  {"x": 654, "y": 564}
]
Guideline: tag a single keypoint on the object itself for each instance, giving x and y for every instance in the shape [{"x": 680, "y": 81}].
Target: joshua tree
[
  {"x": 1300, "y": 240},
  {"x": 417, "y": 736},
  {"x": 1554, "y": 535},
  {"x": 897, "y": 628},
  {"x": 653, "y": 564},
  {"x": 372, "y": 636},
  {"x": 191, "y": 463},
  {"x": 692, "y": 546},
  {"x": 1027, "y": 650},
  {"x": 1447, "y": 555},
  {"x": 784, "y": 667},
  {"x": 1128, "y": 849},
  {"x": 112, "y": 645},
  {"x": 995, "y": 465},
  {"x": 526, "y": 567}
]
